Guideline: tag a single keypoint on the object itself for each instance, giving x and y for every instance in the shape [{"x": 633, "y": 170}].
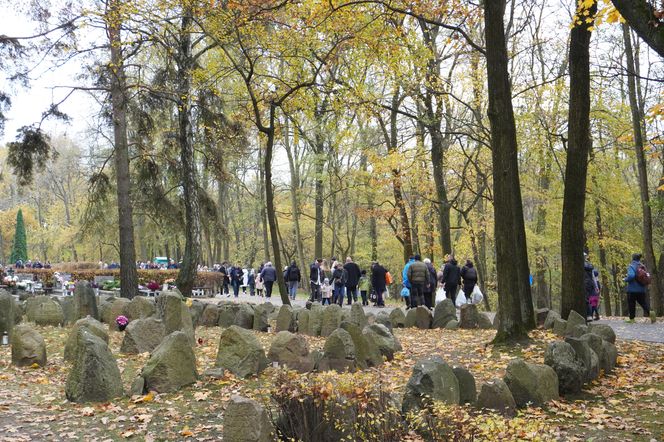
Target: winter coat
[
  {"x": 589, "y": 287},
  {"x": 451, "y": 274},
  {"x": 354, "y": 273},
  {"x": 469, "y": 275},
  {"x": 432, "y": 281},
  {"x": 269, "y": 274},
  {"x": 340, "y": 276},
  {"x": 293, "y": 274},
  {"x": 633, "y": 285},
  {"x": 378, "y": 276},
  {"x": 418, "y": 273},
  {"x": 316, "y": 274},
  {"x": 236, "y": 274},
  {"x": 404, "y": 273}
]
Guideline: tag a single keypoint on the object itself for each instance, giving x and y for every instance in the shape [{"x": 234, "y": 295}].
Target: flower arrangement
[
  {"x": 122, "y": 321},
  {"x": 153, "y": 285}
]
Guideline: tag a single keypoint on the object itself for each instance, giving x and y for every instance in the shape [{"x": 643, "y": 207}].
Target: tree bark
[
  {"x": 192, "y": 248},
  {"x": 576, "y": 170},
  {"x": 510, "y": 235},
  {"x": 640, "y": 15},
  {"x": 605, "y": 292},
  {"x": 647, "y": 229},
  {"x": 294, "y": 188},
  {"x": 128, "y": 275}
]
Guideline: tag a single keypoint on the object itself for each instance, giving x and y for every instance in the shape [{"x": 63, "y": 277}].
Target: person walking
[
  {"x": 260, "y": 285},
  {"x": 431, "y": 284},
  {"x": 451, "y": 279},
  {"x": 293, "y": 278},
  {"x": 251, "y": 281},
  {"x": 268, "y": 275},
  {"x": 637, "y": 281},
  {"x": 326, "y": 291},
  {"x": 363, "y": 286},
  {"x": 418, "y": 275},
  {"x": 589, "y": 288},
  {"x": 316, "y": 278},
  {"x": 378, "y": 282},
  {"x": 469, "y": 275},
  {"x": 353, "y": 277},
  {"x": 339, "y": 277},
  {"x": 225, "y": 279}
]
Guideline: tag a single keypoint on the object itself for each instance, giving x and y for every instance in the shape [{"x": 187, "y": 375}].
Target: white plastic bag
[
  {"x": 461, "y": 299},
  {"x": 440, "y": 295},
  {"x": 477, "y": 295}
]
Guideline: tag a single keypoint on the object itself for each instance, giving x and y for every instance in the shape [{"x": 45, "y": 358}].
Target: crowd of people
[{"x": 32, "y": 264}]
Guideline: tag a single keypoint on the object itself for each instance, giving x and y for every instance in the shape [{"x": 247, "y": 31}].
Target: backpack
[
  {"x": 643, "y": 276},
  {"x": 388, "y": 278}
]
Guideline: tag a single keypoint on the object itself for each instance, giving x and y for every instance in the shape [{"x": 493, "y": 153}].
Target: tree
[
  {"x": 514, "y": 296},
  {"x": 576, "y": 170},
  {"x": 645, "y": 19},
  {"x": 20, "y": 247}
]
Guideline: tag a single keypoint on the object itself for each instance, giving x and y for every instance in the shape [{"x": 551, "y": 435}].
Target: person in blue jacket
[
  {"x": 404, "y": 273},
  {"x": 636, "y": 292}
]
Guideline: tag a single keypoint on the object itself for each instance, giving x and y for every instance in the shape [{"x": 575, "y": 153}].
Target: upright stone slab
[
  {"x": 338, "y": 352},
  {"x": 286, "y": 319},
  {"x": 172, "y": 365},
  {"x": 7, "y": 315},
  {"x": 398, "y": 317},
  {"x": 31, "y": 305},
  {"x": 587, "y": 356},
  {"x": 531, "y": 383},
  {"x": 432, "y": 380},
  {"x": 573, "y": 320},
  {"x": 605, "y": 331},
  {"x": 85, "y": 303},
  {"x": 331, "y": 319},
  {"x": 69, "y": 313},
  {"x": 380, "y": 337},
  {"x": 597, "y": 344},
  {"x": 559, "y": 326},
  {"x": 469, "y": 316},
  {"x": 112, "y": 310},
  {"x": 245, "y": 316},
  {"x": 260, "y": 318},
  {"x": 570, "y": 370},
  {"x": 444, "y": 313},
  {"x": 48, "y": 312},
  {"x": 210, "y": 316},
  {"x": 366, "y": 354},
  {"x": 495, "y": 395},
  {"x": 227, "y": 314},
  {"x": 303, "y": 322},
  {"x": 140, "y": 307},
  {"x": 196, "y": 310},
  {"x": 143, "y": 335},
  {"x": 315, "y": 319},
  {"x": 245, "y": 420},
  {"x": 240, "y": 352},
  {"x": 383, "y": 318},
  {"x": 95, "y": 376},
  {"x": 467, "y": 388},
  {"x": 577, "y": 331},
  {"x": 551, "y": 317},
  {"x": 611, "y": 355},
  {"x": 291, "y": 350},
  {"x": 174, "y": 313},
  {"x": 483, "y": 321},
  {"x": 28, "y": 347},
  {"x": 93, "y": 326},
  {"x": 357, "y": 315},
  {"x": 419, "y": 317}
]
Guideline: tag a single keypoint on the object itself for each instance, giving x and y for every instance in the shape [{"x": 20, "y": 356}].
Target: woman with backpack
[
  {"x": 469, "y": 276},
  {"x": 637, "y": 281}
]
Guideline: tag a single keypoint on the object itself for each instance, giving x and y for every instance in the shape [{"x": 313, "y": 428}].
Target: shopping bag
[
  {"x": 477, "y": 295},
  {"x": 405, "y": 293},
  {"x": 440, "y": 295},
  {"x": 461, "y": 299}
]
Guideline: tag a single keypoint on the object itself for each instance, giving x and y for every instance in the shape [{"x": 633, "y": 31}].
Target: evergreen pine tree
[{"x": 20, "y": 247}]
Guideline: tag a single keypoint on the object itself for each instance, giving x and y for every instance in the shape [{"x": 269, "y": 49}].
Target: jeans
[
  {"x": 632, "y": 299},
  {"x": 351, "y": 292},
  {"x": 338, "y": 294},
  {"x": 363, "y": 294},
  {"x": 268, "y": 288},
  {"x": 326, "y": 300},
  {"x": 236, "y": 288},
  {"x": 225, "y": 287},
  {"x": 292, "y": 289},
  {"x": 315, "y": 292}
]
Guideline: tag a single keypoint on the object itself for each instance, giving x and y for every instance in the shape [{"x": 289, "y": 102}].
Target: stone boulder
[
  {"x": 245, "y": 317},
  {"x": 380, "y": 337},
  {"x": 573, "y": 320},
  {"x": 315, "y": 319},
  {"x": 484, "y": 322},
  {"x": 330, "y": 320},
  {"x": 611, "y": 355},
  {"x": 398, "y": 317},
  {"x": 419, "y": 317},
  {"x": 605, "y": 331},
  {"x": 303, "y": 322},
  {"x": 587, "y": 356},
  {"x": 93, "y": 326},
  {"x": 540, "y": 316},
  {"x": 175, "y": 315},
  {"x": 28, "y": 347},
  {"x": 47, "y": 312},
  {"x": 452, "y": 325},
  {"x": 227, "y": 314},
  {"x": 467, "y": 387},
  {"x": 291, "y": 350},
  {"x": 551, "y": 317},
  {"x": 110, "y": 310},
  {"x": 172, "y": 364},
  {"x": 531, "y": 383},
  {"x": 496, "y": 395},
  {"x": 338, "y": 352},
  {"x": 261, "y": 312},
  {"x": 469, "y": 316},
  {"x": 210, "y": 316},
  {"x": 570, "y": 370},
  {"x": 140, "y": 307},
  {"x": 597, "y": 344},
  {"x": 245, "y": 420},
  {"x": 240, "y": 352},
  {"x": 196, "y": 310},
  {"x": 432, "y": 380},
  {"x": 7, "y": 314},
  {"x": 357, "y": 315},
  {"x": 559, "y": 327},
  {"x": 85, "y": 302},
  {"x": 95, "y": 376},
  {"x": 444, "y": 312},
  {"x": 286, "y": 319},
  {"x": 31, "y": 305},
  {"x": 577, "y": 331},
  {"x": 366, "y": 354},
  {"x": 383, "y": 318},
  {"x": 143, "y": 335},
  {"x": 69, "y": 312}
]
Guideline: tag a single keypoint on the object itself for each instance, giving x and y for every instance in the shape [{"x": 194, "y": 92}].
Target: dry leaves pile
[{"x": 624, "y": 406}]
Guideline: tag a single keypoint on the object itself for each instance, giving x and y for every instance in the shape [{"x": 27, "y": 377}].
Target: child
[
  {"x": 326, "y": 290},
  {"x": 251, "y": 282},
  {"x": 259, "y": 285},
  {"x": 364, "y": 287}
]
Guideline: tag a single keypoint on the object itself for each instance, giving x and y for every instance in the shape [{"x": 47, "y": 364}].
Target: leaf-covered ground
[{"x": 624, "y": 406}]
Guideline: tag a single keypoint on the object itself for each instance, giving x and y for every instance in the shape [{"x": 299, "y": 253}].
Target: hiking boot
[{"x": 653, "y": 317}]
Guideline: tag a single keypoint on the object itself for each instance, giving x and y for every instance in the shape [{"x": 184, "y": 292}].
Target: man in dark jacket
[
  {"x": 378, "y": 282},
  {"x": 431, "y": 284},
  {"x": 224, "y": 278},
  {"x": 589, "y": 287},
  {"x": 339, "y": 278},
  {"x": 293, "y": 278},
  {"x": 469, "y": 275},
  {"x": 418, "y": 275},
  {"x": 316, "y": 278},
  {"x": 268, "y": 275},
  {"x": 354, "y": 272},
  {"x": 636, "y": 292},
  {"x": 451, "y": 279}
]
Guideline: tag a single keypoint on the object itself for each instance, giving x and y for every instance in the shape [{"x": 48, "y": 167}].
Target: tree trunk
[
  {"x": 637, "y": 118},
  {"x": 192, "y": 248},
  {"x": 128, "y": 275},
  {"x": 271, "y": 210},
  {"x": 510, "y": 235},
  {"x": 576, "y": 170},
  {"x": 319, "y": 169},
  {"x": 605, "y": 292},
  {"x": 294, "y": 188},
  {"x": 640, "y": 14},
  {"x": 438, "y": 146},
  {"x": 266, "y": 242}
]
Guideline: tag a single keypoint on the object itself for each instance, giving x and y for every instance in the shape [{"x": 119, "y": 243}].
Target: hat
[{"x": 636, "y": 257}]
